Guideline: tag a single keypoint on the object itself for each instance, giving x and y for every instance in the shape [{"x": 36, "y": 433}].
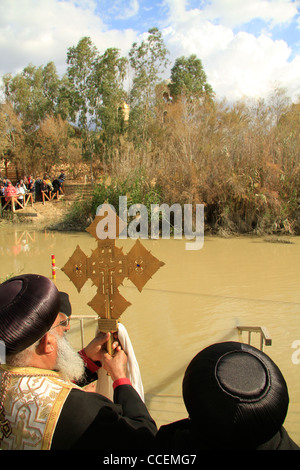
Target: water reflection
[
  {"x": 195, "y": 299},
  {"x": 21, "y": 241}
]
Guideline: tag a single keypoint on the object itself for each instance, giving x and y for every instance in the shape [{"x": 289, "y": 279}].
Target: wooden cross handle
[{"x": 108, "y": 325}]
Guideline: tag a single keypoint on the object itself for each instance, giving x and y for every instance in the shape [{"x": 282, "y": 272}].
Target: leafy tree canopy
[{"x": 188, "y": 78}]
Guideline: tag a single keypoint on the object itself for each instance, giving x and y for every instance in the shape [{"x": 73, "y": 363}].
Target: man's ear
[{"x": 46, "y": 344}]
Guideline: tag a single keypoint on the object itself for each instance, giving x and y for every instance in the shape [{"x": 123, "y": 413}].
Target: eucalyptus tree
[
  {"x": 188, "y": 78},
  {"x": 33, "y": 93},
  {"x": 80, "y": 72},
  {"x": 81, "y": 60},
  {"x": 109, "y": 75},
  {"x": 148, "y": 61}
]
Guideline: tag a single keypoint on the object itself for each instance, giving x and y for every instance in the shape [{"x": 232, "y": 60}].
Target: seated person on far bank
[
  {"x": 57, "y": 186},
  {"x": 9, "y": 191},
  {"x": 20, "y": 192},
  {"x": 237, "y": 399},
  {"x": 38, "y": 188},
  {"x": 30, "y": 184},
  {"x": 47, "y": 186},
  {"x": 23, "y": 185},
  {"x": 62, "y": 176},
  {"x": 58, "y": 414}
]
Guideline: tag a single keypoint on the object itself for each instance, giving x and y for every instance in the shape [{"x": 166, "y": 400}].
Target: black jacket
[
  {"x": 89, "y": 421},
  {"x": 182, "y": 435}
]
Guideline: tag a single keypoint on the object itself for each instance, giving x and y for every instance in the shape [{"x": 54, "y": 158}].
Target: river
[{"x": 197, "y": 298}]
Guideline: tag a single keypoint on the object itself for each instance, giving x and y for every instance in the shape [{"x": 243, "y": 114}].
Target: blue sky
[{"x": 247, "y": 48}]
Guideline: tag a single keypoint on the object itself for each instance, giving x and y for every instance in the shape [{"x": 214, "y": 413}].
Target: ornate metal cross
[{"x": 107, "y": 267}]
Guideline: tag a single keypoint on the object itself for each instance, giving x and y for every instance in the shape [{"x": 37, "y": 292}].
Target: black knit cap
[
  {"x": 236, "y": 394},
  {"x": 29, "y": 304}
]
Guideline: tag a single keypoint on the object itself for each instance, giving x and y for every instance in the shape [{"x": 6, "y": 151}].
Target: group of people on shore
[
  {"x": 235, "y": 395},
  {"x": 27, "y": 185},
  {"x": 7, "y": 190}
]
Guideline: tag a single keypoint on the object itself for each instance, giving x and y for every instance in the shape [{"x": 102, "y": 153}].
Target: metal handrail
[
  {"x": 81, "y": 319},
  {"x": 265, "y": 338}
]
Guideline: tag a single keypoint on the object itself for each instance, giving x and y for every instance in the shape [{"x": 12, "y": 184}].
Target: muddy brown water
[{"x": 197, "y": 298}]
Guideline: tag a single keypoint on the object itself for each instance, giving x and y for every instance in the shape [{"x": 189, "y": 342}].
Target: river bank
[
  {"x": 50, "y": 215},
  {"x": 71, "y": 213}
]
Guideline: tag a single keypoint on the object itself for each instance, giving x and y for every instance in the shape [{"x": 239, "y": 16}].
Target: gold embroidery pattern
[
  {"x": 32, "y": 407},
  {"x": 5, "y": 428}
]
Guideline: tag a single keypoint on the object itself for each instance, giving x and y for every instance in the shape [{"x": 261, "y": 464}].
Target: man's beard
[{"x": 68, "y": 363}]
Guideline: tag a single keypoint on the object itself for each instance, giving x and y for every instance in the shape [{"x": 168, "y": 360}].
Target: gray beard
[{"x": 68, "y": 363}]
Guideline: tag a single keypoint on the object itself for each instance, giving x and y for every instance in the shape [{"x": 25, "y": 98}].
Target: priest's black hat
[
  {"x": 65, "y": 305},
  {"x": 29, "y": 304},
  {"x": 236, "y": 394}
]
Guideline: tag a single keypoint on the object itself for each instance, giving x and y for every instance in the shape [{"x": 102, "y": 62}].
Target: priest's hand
[
  {"x": 95, "y": 348},
  {"x": 115, "y": 365}
]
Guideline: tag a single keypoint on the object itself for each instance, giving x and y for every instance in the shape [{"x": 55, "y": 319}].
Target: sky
[{"x": 248, "y": 48}]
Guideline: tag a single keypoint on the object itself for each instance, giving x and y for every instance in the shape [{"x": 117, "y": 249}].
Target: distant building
[{"x": 126, "y": 110}]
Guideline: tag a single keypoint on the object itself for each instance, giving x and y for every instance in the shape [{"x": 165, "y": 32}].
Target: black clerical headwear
[
  {"x": 236, "y": 394},
  {"x": 65, "y": 306},
  {"x": 29, "y": 304}
]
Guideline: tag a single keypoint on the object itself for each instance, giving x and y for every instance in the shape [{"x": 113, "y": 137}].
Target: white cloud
[
  {"x": 236, "y": 12},
  {"x": 233, "y": 13},
  {"x": 237, "y": 64},
  {"x": 35, "y": 31},
  {"x": 129, "y": 11},
  {"x": 203, "y": 38},
  {"x": 249, "y": 66}
]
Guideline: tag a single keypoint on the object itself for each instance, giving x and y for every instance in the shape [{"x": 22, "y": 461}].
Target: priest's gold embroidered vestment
[{"x": 31, "y": 401}]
